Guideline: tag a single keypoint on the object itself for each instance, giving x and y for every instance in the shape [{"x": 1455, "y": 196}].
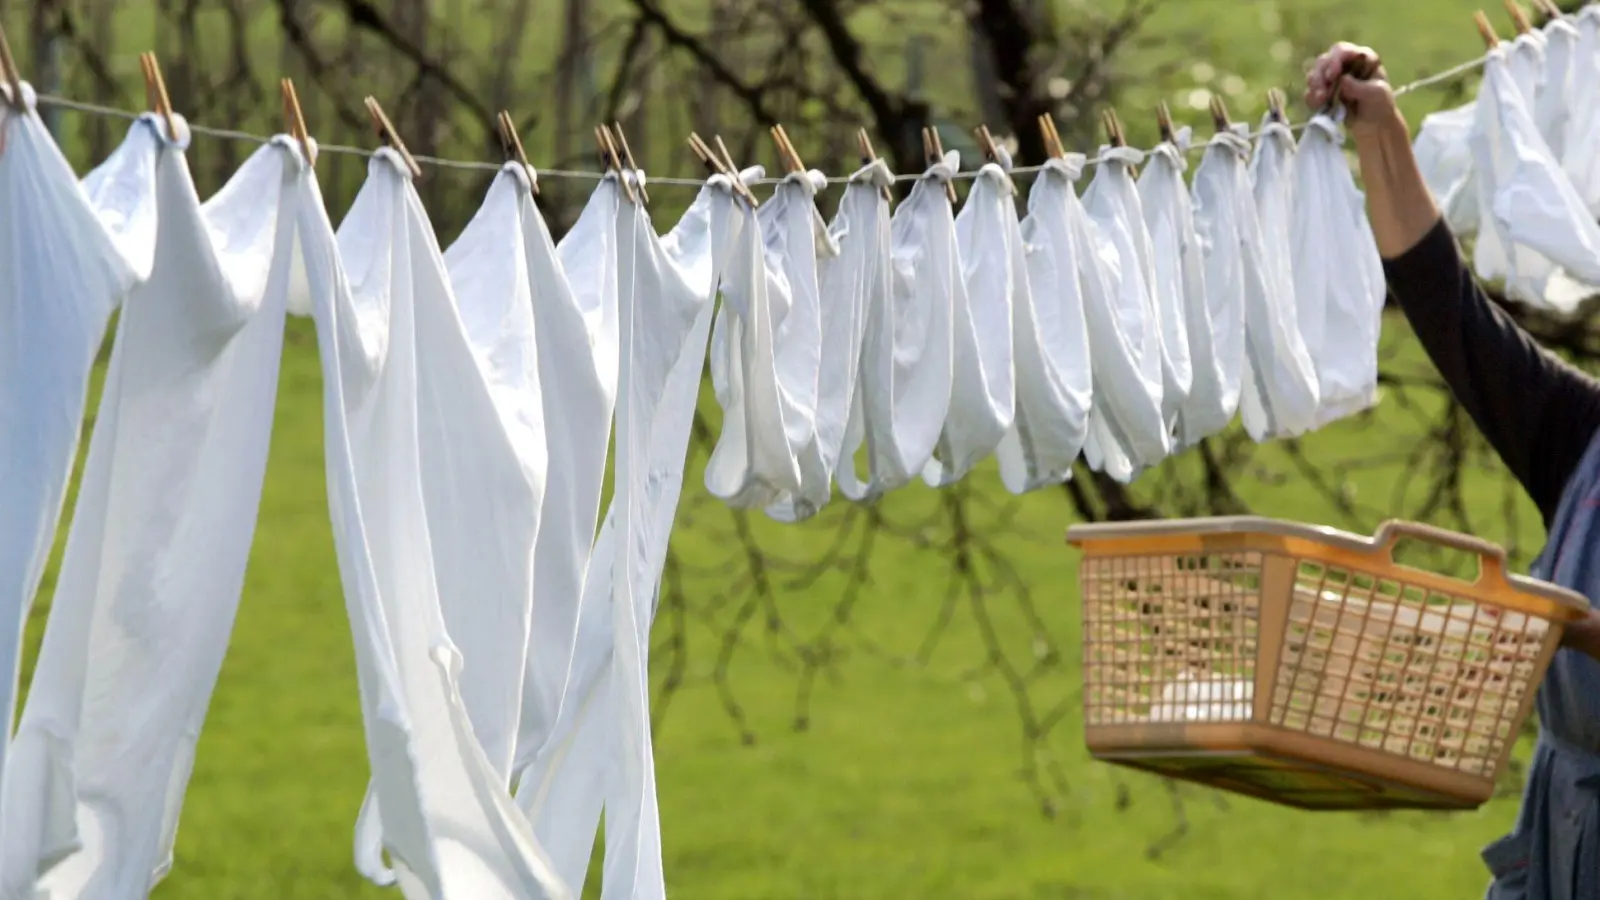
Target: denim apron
[{"x": 1553, "y": 852}]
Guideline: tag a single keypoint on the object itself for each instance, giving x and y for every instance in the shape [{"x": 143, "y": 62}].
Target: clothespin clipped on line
[
  {"x": 1114, "y": 133},
  {"x": 155, "y": 91},
  {"x": 611, "y": 159},
  {"x": 294, "y": 122},
  {"x": 1052, "y": 137},
  {"x": 1485, "y": 30},
  {"x": 511, "y": 144},
  {"x": 618, "y": 138},
  {"x": 1550, "y": 9},
  {"x": 1219, "y": 114},
  {"x": 869, "y": 156},
  {"x": 933, "y": 152},
  {"x": 390, "y": 137},
  {"x": 1164, "y": 122},
  {"x": 722, "y": 166},
  {"x": 8, "y": 69},
  {"x": 1275, "y": 106},
  {"x": 786, "y": 152},
  {"x": 1518, "y": 17}
]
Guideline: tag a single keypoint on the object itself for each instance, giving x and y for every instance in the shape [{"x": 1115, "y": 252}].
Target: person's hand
[{"x": 1354, "y": 75}]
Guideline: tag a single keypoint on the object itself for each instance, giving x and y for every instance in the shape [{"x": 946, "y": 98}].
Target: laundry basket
[{"x": 1303, "y": 665}]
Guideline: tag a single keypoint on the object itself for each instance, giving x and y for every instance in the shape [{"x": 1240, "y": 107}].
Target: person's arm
[{"x": 1537, "y": 411}]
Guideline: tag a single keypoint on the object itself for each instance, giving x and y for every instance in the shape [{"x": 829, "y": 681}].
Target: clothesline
[{"x": 473, "y": 165}]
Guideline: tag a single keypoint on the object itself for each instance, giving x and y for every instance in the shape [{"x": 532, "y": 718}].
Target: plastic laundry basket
[{"x": 1303, "y": 665}]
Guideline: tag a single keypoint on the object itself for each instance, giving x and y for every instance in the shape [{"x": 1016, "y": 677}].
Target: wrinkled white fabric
[
  {"x": 1552, "y": 109},
  {"x": 1224, "y": 219},
  {"x": 68, "y": 255},
  {"x": 1445, "y": 159},
  {"x": 983, "y": 394},
  {"x": 1339, "y": 285},
  {"x": 764, "y": 372},
  {"x": 1538, "y": 234},
  {"x": 575, "y": 306},
  {"x": 480, "y": 415},
  {"x": 799, "y": 245},
  {"x": 1055, "y": 374},
  {"x": 444, "y": 815},
  {"x": 1181, "y": 282},
  {"x": 904, "y": 391},
  {"x": 1280, "y": 389},
  {"x": 1112, "y": 204},
  {"x": 1579, "y": 158},
  {"x": 161, "y": 533}
]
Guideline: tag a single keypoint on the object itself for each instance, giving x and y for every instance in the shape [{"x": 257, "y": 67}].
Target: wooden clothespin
[
  {"x": 1052, "y": 137},
  {"x": 1275, "y": 105},
  {"x": 933, "y": 152},
  {"x": 620, "y": 139},
  {"x": 986, "y": 143},
  {"x": 786, "y": 152},
  {"x": 1219, "y": 114},
  {"x": 511, "y": 144},
  {"x": 8, "y": 69},
  {"x": 612, "y": 160},
  {"x": 387, "y": 134},
  {"x": 1164, "y": 122},
  {"x": 733, "y": 172},
  {"x": 719, "y": 166},
  {"x": 155, "y": 91},
  {"x": 869, "y": 155},
  {"x": 1518, "y": 17},
  {"x": 294, "y": 121},
  {"x": 1485, "y": 30},
  {"x": 1113, "y": 125},
  {"x": 1550, "y": 9}
]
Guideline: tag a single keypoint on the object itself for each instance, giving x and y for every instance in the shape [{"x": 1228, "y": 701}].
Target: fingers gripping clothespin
[
  {"x": 869, "y": 155},
  {"x": 386, "y": 133},
  {"x": 294, "y": 121},
  {"x": 155, "y": 90},
  {"x": 1518, "y": 17},
  {"x": 619, "y": 139},
  {"x": 933, "y": 151},
  {"x": 511, "y": 145},
  {"x": 1486, "y": 30}
]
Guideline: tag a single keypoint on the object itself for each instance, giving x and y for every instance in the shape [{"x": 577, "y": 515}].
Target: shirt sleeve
[{"x": 1537, "y": 411}]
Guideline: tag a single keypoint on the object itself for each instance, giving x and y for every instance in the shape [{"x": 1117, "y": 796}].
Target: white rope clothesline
[{"x": 471, "y": 165}]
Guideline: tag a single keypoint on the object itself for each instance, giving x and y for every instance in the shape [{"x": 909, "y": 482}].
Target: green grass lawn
[{"x": 906, "y": 782}]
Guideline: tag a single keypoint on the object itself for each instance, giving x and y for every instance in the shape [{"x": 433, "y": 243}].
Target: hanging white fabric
[
  {"x": 1112, "y": 204},
  {"x": 1538, "y": 233},
  {"x": 767, "y": 417},
  {"x": 983, "y": 391},
  {"x": 161, "y": 533},
  {"x": 1181, "y": 281},
  {"x": 1552, "y": 109},
  {"x": 1445, "y": 159},
  {"x": 799, "y": 245},
  {"x": 575, "y": 306},
  {"x": 1224, "y": 213},
  {"x": 904, "y": 391},
  {"x": 68, "y": 255},
  {"x": 1055, "y": 374},
  {"x": 1579, "y": 158},
  {"x": 1339, "y": 285},
  {"x": 480, "y": 415},
  {"x": 445, "y": 817},
  {"x": 1280, "y": 390}
]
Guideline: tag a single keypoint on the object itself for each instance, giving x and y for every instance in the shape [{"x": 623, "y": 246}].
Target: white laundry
[
  {"x": 156, "y": 556},
  {"x": 1445, "y": 160},
  {"x": 1280, "y": 389},
  {"x": 845, "y": 254},
  {"x": 1180, "y": 268},
  {"x": 1579, "y": 158},
  {"x": 1538, "y": 233},
  {"x": 798, "y": 245},
  {"x": 68, "y": 255},
  {"x": 1339, "y": 285},
  {"x": 983, "y": 394},
  {"x": 1112, "y": 203},
  {"x": 904, "y": 391},
  {"x": 445, "y": 817},
  {"x": 575, "y": 306},
  {"x": 1554, "y": 97},
  {"x": 1055, "y": 372},
  {"x": 1224, "y": 215},
  {"x": 767, "y": 415},
  {"x": 480, "y": 416}
]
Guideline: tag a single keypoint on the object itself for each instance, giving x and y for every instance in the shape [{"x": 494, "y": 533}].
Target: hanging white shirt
[
  {"x": 1339, "y": 285},
  {"x": 444, "y": 815},
  {"x": 1538, "y": 233},
  {"x": 904, "y": 392},
  {"x": 575, "y": 306},
  {"x": 983, "y": 394},
  {"x": 68, "y": 254},
  {"x": 1280, "y": 391},
  {"x": 484, "y": 458}
]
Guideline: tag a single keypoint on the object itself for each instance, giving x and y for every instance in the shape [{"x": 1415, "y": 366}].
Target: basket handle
[{"x": 1491, "y": 556}]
